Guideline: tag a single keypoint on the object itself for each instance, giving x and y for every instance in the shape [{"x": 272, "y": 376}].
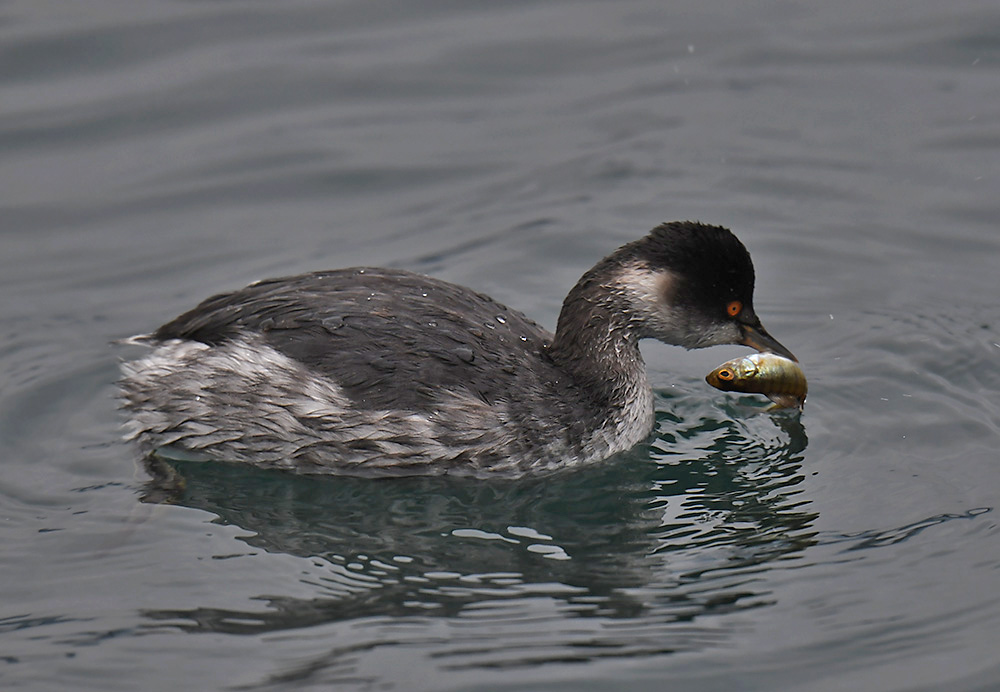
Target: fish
[{"x": 781, "y": 379}]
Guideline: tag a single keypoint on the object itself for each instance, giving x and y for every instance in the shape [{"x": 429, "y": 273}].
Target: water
[{"x": 153, "y": 153}]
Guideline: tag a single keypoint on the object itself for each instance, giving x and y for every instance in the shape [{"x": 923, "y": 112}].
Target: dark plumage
[
  {"x": 389, "y": 338},
  {"x": 378, "y": 370}
]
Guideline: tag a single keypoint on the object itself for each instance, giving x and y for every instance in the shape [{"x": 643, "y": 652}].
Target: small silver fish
[{"x": 781, "y": 379}]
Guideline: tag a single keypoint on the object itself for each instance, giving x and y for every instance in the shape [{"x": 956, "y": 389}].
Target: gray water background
[{"x": 155, "y": 152}]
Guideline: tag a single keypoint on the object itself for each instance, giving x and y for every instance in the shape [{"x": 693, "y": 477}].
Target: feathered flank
[{"x": 370, "y": 370}]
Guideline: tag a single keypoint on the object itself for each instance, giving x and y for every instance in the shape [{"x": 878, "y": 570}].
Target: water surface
[{"x": 155, "y": 152}]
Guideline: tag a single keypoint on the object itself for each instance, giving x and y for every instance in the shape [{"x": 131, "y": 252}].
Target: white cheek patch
[
  {"x": 650, "y": 295},
  {"x": 644, "y": 287},
  {"x": 651, "y": 298}
]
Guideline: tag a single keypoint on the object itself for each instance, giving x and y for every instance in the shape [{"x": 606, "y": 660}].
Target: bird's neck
[{"x": 596, "y": 343}]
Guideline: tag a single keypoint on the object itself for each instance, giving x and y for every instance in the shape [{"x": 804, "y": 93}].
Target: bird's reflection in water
[{"x": 645, "y": 544}]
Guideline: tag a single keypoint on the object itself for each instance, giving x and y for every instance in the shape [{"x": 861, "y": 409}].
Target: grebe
[{"x": 386, "y": 372}]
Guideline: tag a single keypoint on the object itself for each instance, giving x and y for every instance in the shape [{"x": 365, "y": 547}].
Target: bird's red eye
[
  {"x": 734, "y": 308},
  {"x": 726, "y": 375}
]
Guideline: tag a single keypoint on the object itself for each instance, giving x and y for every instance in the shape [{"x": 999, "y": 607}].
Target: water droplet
[{"x": 501, "y": 320}]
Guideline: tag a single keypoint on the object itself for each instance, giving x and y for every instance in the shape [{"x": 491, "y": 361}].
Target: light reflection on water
[{"x": 648, "y": 551}]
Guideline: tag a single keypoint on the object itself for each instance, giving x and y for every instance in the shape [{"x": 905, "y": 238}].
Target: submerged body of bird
[{"x": 777, "y": 377}]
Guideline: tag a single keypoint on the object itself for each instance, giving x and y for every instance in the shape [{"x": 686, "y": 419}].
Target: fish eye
[
  {"x": 726, "y": 374},
  {"x": 734, "y": 308}
]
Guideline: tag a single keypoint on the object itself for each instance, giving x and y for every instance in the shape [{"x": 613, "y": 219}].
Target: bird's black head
[
  {"x": 703, "y": 281},
  {"x": 712, "y": 267}
]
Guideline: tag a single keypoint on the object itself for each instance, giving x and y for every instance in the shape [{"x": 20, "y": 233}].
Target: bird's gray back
[{"x": 390, "y": 339}]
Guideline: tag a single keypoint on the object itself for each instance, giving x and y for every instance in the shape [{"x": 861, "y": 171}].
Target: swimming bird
[{"x": 369, "y": 371}]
